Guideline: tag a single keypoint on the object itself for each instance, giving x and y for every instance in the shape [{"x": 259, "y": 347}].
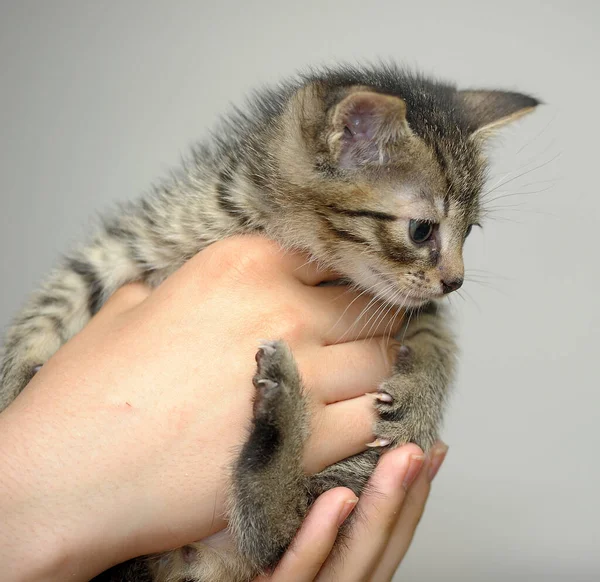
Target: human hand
[
  {"x": 132, "y": 426},
  {"x": 379, "y": 538}
]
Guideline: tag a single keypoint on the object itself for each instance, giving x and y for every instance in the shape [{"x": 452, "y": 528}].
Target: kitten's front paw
[
  {"x": 404, "y": 414},
  {"x": 403, "y": 421}
]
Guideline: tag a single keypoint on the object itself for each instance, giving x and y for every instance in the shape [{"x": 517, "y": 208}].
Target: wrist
[{"x": 39, "y": 534}]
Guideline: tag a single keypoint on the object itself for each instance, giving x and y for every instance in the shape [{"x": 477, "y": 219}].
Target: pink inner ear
[
  {"x": 364, "y": 116},
  {"x": 369, "y": 121},
  {"x": 361, "y": 124}
]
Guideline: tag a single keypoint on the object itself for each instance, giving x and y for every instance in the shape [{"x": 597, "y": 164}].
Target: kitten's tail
[
  {"x": 51, "y": 316},
  {"x": 58, "y": 310}
]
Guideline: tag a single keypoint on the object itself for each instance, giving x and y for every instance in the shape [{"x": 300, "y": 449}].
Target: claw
[
  {"x": 267, "y": 347},
  {"x": 381, "y": 396},
  {"x": 379, "y": 443},
  {"x": 268, "y": 384}
]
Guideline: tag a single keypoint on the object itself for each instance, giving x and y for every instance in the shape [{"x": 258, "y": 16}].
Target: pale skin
[{"x": 104, "y": 460}]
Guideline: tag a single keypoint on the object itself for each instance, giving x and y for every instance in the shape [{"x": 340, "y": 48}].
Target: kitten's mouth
[{"x": 389, "y": 291}]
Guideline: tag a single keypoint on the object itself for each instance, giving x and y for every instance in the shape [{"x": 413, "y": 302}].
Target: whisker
[
  {"x": 498, "y": 218},
  {"x": 390, "y": 324},
  {"x": 410, "y": 314},
  {"x": 511, "y": 194},
  {"x": 530, "y": 160},
  {"x": 471, "y": 299},
  {"x": 392, "y": 304},
  {"x": 348, "y": 307},
  {"x": 386, "y": 308},
  {"x": 375, "y": 314},
  {"x": 484, "y": 273},
  {"x": 540, "y": 133},
  {"x": 489, "y": 286},
  {"x": 374, "y": 299},
  {"x": 519, "y": 208},
  {"x": 520, "y": 175}
]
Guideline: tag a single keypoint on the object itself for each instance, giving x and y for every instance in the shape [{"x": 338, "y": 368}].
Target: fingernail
[
  {"x": 437, "y": 459},
  {"x": 347, "y": 508},
  {"x": 414, "y": 468}
]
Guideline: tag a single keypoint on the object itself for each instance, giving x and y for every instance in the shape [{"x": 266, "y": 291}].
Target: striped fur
[{"x": 336, "y": 163}]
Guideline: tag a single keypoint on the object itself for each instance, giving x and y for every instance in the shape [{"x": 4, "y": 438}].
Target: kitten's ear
[
  {"x": 488, "y": 111},
  {"x": 365, "y": 124}
]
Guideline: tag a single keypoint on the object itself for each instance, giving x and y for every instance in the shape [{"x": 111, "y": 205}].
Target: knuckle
[
  {"x": 129, "y": 295},
  {"x": 291, "y": 322},
  {"x": 242, "y": 256}
]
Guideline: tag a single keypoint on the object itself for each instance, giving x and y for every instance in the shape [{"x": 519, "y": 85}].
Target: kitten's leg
[
  {"x": 269, "y": 497},
  {"x": 411, "y": 403},
  {"x": 136, "y": 570},
  {"x": 271, "y": 494}
]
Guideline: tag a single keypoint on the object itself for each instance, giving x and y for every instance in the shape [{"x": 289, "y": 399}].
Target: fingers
[
  {"x": 316, "y": 537},
  {"x": 410, "y": 515},
  {"x": 379, "y": 509},
  {"x": 339, "y": 378},
  {"x": 347, "y": 315},
  {"x": 351, "y": 424},
  {"x": 348, "y": 370}
]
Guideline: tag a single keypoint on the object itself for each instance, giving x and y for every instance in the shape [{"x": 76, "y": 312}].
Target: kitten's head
[{"x": 392, "y": 167}]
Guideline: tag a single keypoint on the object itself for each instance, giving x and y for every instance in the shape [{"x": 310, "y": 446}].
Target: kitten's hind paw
[
  {"x": 267, "y": 393},
  {"x": 269, "y": 493},
  {"x": 277, "y": 382},
  {"x": 274, "y": 363},
  {"x": 279, "y": 408}
]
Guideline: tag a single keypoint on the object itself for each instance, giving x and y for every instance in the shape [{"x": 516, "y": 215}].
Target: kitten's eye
[
  {"x": 420, "y": 231},
  {"x": 469, "y": 229}
]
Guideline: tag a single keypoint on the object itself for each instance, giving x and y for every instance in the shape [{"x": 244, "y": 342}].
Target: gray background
[{"x": 100, "y": 98}]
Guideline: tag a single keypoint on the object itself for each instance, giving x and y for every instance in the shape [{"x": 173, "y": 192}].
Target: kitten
[{"x": 376, "y": 172}]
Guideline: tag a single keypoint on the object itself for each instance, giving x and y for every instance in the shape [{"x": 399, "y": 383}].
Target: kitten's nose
[{"x": 449, "y": 286}]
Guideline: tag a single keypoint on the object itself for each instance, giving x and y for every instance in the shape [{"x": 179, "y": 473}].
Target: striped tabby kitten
[{"x": 374, "y": 171}]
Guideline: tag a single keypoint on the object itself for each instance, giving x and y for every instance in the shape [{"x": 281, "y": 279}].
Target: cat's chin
[{"x": 414, "y": 302}]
